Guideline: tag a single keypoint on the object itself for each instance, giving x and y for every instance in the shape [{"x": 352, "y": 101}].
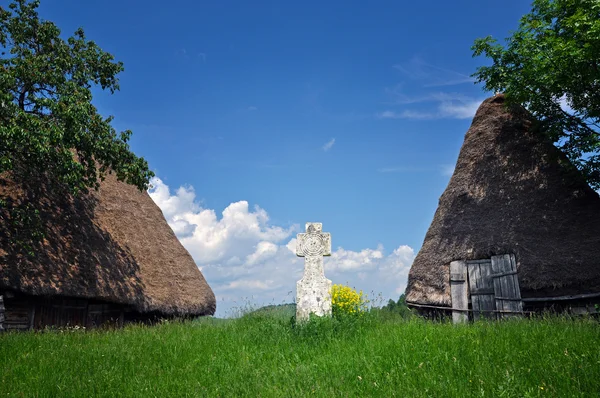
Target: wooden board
[
  {"x": 1, "y": 313},
  {"x": 481, "y": 288},
  {"x": 16, "y": 314},
  {"x": 507, "y": 294},
  {"x": 101, "y": 313},
  {"x": 458, "y": 291},
  {"x": 60, "y": 312}
]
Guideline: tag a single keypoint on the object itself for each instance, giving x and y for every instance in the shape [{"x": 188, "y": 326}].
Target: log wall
[
  {"x": 23, "y": 312},
  {"x": 1, "y": 313},
  {"x": 17, "y": 313}
]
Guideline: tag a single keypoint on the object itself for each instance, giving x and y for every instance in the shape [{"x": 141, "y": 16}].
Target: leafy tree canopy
[
  {"x": 48, "y": 125},
  {"x": 551, "y": 65},
  {"x": 49, "y": 129}
]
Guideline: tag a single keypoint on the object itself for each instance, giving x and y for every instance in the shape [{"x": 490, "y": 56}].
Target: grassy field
[{"x": 263, "y": 355}]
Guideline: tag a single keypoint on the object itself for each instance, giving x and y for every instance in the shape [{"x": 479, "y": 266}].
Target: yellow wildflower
[{"x": 346, "y": 300}]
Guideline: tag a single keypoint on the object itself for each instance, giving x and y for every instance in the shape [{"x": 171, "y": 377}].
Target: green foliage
[
  {"x": 347, "y": 301},
  {"x": 278, "y": 310},
  {"x": 554, "y": 56},
  {"x": 325, "y": 329},
  {"x": 399, "y": 308},
  {"x": 49, "y": 129},
  {"x": 261, "y": 356},
  {"x": 46, "y": 112}
]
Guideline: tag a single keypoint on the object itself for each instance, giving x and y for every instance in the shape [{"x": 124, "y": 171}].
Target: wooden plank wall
[
  {"x": 76, "y": 312},
  {"x": 17, "y": 313},
  {"x": 458, "y": 291},
  {"x": 493, "y": 287},
  {"x": 104, "y": 313},
  {"x": 22, "y": 312},
  {"x": 60, "y": 312},
  {"x": 1, "y": 313},
  {"x": 481, "y": 288},
  {"x": 506, "y": 285}
]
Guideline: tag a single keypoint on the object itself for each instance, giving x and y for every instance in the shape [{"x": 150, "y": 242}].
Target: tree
[
  {"x": 399, "y": 308},
  {"x": 49, "y": 128},
  {"x": 551, "y": 65}
]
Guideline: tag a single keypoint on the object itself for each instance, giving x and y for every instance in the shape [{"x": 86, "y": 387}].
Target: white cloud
[
  {"x": 458, "y": 109},
  {"x": 328, "y": 145},
  {"x": 252, "y": 108},
  {"x": 415, "y": 115},
  {"x": 182, "y": 202},
  {"x": 435, "y": 76},
  {"x": 246, "y": 259},
  {"x": 208, "y": 238},
  {"x": 387, "y": 115},
  {"x": 345, "y": 260},
  {"x": 247, "y": 284},
  {"x": 447, "y": 106},
  {"x": 264, "y": 250},
  {"x": 432, "y": 105},
  {"x": 291, "y": 245}
]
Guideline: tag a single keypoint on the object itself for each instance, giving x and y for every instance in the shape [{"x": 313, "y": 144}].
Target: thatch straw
[
  {"x": 113, "y": 245},
  {"x": 512, "y": 191}
]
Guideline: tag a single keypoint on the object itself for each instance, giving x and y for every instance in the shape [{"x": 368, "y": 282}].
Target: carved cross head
[{"x": 314, "y": 242}]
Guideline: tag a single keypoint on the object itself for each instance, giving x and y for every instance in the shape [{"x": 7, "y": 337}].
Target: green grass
[{"x": 263, "y": 355}]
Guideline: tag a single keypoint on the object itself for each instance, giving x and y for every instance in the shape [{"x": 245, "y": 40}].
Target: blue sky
[{"x": 258, "y": 117}]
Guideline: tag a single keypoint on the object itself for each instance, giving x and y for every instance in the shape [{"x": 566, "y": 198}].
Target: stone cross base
[{"x": 313, "y": 297}]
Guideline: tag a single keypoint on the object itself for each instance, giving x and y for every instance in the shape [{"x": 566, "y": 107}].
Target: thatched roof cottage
[
  {"x": 517, "y": 227},
  {"x": 109, "y": 256}
]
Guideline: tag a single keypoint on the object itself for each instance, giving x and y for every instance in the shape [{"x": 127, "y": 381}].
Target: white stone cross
[{"x": 313, "y": 291}]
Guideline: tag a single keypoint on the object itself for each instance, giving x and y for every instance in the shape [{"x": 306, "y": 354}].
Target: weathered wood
[
  {"x": 1, "y": 313},
  {"x": 24, "y": 312},
  {"x": 508, "y": 298},
  {"x": 473, "y": 271},
  {"x": 458, "y": 291},
  {"x": 31, "y": 316},
  {"x": 480, "y": 261},
  {"x": 485, "y": 270},
  {"x": 506, "y": 285},
  {"x": 583, "y": 310},
  {"x": 504, "y": 274},
  {"x": 60, "y": 312},
  {"x": 440, "y": 307},
  {"x": 454, "y": 277},
  {"x": 481, "y": 289},
  {"x": 482, "y": 292},
  {"x": 103, "y": 313},
  {"x": 560, "y": 298},
  {"x": 16, "y": 314}
]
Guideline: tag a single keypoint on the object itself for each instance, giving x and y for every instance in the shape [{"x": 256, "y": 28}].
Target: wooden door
[
  {"x": 507, "y": 294},
  {"x": 458, "y": 291},
  {"x": 481, "y": 288}
]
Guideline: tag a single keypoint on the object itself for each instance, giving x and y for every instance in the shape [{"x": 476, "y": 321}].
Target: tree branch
[{"x": 22, "y": 99}]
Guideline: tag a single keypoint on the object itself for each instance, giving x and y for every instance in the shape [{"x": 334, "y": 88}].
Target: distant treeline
[{"x": 397, "y": 307}]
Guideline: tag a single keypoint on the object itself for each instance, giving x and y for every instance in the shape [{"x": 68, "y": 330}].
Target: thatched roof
[
  {"x": 113, "y": 244},
  {"x": 512, "y": 191}
]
